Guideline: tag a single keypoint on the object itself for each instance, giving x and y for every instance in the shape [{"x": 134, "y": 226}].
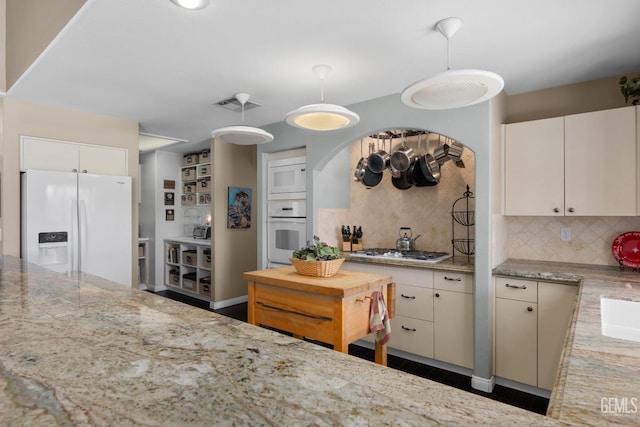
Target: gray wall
[{"x": 473, "y": 126}]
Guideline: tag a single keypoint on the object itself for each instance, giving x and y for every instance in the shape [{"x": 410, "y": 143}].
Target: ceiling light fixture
[
  {"x": 322, "y": 116},
  {"x": 452, "y": 88},
  {"x": 191, "y": 4},
  {"x": 242, "y": 135}
]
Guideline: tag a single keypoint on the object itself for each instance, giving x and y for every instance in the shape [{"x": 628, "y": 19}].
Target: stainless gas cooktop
[{"x": 417, "y": 256}]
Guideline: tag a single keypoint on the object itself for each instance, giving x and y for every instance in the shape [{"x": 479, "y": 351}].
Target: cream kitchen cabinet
[
  {"x": 44, "y": 154},
  {"x": 562, "y": 166},
  {"x": 531, "y": 321},
  {"x": 434, "y": 312},
  {"x": 453, "y": 318}
]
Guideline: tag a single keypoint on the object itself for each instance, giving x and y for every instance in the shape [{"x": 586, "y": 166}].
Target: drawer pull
[
  {"x": 529, "y": 308},
  {"x": 437, "y": 295},
  {"x": 407, "y": 296},
  {"x": 453, "y": 279},
  {"x": 515, "y": 287},
  {"x": 409, "y": 329}
]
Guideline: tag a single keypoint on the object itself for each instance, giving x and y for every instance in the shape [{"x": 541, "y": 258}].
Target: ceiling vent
[{"x": 232, "y": 104}]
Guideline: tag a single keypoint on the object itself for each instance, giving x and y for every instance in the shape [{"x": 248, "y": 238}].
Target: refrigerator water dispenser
[{"x": 53, "y": 251}]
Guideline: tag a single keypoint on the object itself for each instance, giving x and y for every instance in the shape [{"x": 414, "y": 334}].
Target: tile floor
[{"x": 500, "y": 393}]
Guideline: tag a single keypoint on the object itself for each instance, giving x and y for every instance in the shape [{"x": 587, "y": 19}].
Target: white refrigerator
[{"x": 78, "y": 222}]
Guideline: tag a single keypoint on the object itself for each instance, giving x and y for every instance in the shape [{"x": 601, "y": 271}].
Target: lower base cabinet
[
  {"x": 531, "y": 321},
  {"x": 434, "y": 312}
]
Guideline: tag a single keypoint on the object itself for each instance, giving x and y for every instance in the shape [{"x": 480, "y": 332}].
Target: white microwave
[{"x": 287, "y": 178}]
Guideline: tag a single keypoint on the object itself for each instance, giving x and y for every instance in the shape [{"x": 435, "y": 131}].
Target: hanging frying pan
[{"x": 370, "y": 178}]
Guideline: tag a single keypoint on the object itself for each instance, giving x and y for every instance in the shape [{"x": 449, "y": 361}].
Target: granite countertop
[
  {"x": 599, "y": 378},
  {"x": 460, "y": 263},
  {"x": 83, "y": 351}
]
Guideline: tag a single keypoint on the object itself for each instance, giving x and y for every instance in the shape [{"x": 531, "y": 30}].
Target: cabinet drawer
[
  {"x": 412, "y": 335},
  {"x": 452, "y": 281},
  {"x": 365, "y": 268},
  {"x": 516, "y": 289},
  {"x": 414, "y": 301},
  {"x": 411, "y": 276}
]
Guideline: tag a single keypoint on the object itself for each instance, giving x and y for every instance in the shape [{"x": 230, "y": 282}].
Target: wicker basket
[{"x": 317, "y": 268}]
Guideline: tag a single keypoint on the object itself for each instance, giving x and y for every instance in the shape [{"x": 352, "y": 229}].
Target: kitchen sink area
[{"x": 620, "y": 318}]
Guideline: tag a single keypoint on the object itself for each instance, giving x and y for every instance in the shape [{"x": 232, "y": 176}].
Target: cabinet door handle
[
  {"x": 453, "y": 279},
  {"x": 515, "y": 287},
  {"x": 408, "y": 329},
  {"x": 571, "y": 210},
  {"x": 437, "y": 295},
  {"x": 407, "y": 296},
  {"x": 74, "y": 170},
  {"x": 529, "y": 308},
  {"x": 556, "y": 210},
  {"x": 84, "y": 171}
]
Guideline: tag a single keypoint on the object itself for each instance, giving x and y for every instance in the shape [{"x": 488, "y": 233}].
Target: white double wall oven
[{"x": 286, "y": 209}]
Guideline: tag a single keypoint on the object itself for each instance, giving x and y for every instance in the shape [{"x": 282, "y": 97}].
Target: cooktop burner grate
[{"x": 424, "y": 256}]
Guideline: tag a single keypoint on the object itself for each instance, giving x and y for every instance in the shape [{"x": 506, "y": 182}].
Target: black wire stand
[{"x": 463, "y": 220}]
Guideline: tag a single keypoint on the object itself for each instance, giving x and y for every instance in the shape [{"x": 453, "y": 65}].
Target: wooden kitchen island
[{"x": 333, "y": 310}]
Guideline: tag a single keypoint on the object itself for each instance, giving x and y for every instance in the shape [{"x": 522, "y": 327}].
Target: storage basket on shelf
[{"x": 317, "y": 268}]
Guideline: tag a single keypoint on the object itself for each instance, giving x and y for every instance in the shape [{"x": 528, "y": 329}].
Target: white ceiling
[{"x": 165, "y": 67}]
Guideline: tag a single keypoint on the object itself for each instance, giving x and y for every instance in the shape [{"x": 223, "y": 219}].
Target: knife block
[
  {"x": 346, "y": 246},
  {"x": 356, "y": 246}
]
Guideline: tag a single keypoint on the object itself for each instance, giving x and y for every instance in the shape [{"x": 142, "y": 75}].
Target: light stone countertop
[
  {"x": 83, "y": 351},
  {"x": 599, "y": 378},
  {"x": 458, "y": 263}
]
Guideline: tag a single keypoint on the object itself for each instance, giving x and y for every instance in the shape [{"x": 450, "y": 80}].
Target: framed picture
[
  {"x": 169, "y": 215},
  {"x": 169, "y": 198},
  {"x": 169, "y": 184},
  {"x": 239, "y": 212}
]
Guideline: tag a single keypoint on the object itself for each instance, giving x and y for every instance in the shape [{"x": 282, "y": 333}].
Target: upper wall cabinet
[
  {"x": 37, "y": 153},
  {"x": 578, "y": 165}
]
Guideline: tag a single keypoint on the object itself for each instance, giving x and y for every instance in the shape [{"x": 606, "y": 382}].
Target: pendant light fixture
[
  {"x": 192, "y": 4},
  {"x": 242, "y": 135},
  {"x": 322, "y": 116},
  {"x": 452, "y": 88}
]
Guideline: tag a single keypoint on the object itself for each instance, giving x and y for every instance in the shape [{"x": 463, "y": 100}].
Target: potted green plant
[
  {"x": 317, "y": 259},
  {"x": 630, "y": 89}
]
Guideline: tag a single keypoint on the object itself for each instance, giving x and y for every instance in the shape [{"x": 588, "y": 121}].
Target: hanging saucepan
[
  {"x": 402, "y": 158},
  {"x": 379, "y": 160},
  {"x": 371, "y": 179},
  {"x": 427, "y": 171},
  {"x": 441, "y": 153},
  {"x": 361, "y": 167},
  {"x": 401, "y": 182},
  {"x": 394, "y": 173},
  {"x": 455, "y": 152}
]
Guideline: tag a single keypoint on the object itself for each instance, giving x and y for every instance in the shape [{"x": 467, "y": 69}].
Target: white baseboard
[
  {"x": 483, "y": 384},
  {"x": 227, "y": 303}
]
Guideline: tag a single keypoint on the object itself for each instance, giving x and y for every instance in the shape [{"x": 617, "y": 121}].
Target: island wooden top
[{"x": 342, "y": 285}]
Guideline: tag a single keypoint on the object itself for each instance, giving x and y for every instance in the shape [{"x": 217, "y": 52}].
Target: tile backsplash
[
  {"x": 383, "y": 209},
  {"x": 538, "y": 238}
]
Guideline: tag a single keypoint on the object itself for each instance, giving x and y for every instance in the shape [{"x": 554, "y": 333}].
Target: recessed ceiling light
[
  {"x": 192, "y": 4},
  {"x": 150, "y": 142}
]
